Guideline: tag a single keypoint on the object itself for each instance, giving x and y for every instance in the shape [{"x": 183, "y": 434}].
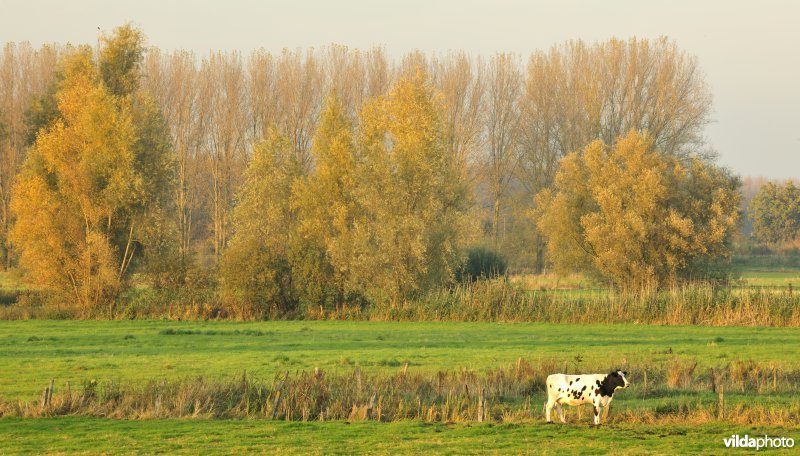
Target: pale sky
[{"x": 748, "y": 50}]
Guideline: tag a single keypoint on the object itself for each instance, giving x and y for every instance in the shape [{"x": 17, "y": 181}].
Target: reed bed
[
  {"x": 690, "y": 304},
  {"x": 757, "y": 393},
  {"x": 488, "y": 301}
]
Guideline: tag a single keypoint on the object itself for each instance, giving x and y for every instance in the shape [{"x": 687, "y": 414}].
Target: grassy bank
[{"x": 670, "y": 393}]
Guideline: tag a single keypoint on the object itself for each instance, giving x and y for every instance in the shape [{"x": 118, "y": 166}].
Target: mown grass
[
  {"x": 77, "y": 435},
  {"x": 33, "y": 352}
]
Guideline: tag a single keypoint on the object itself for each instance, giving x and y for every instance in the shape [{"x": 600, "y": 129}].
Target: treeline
[
  {"x": 775, "y": 215},
  {"x": 329, "y": 175}
]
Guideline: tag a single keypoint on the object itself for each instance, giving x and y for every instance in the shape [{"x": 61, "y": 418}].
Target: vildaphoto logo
[{"x": 745, "y": 441}]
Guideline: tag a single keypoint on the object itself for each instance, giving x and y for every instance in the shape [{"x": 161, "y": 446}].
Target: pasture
[
  {"x": 667, "y": 416},
  {"x": 672, "y": 406},
  {"x": 36, "y": 351},
  {"x": 76, "y": 435}
]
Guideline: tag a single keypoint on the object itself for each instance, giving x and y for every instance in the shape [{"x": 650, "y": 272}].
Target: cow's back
[
  {"x": 573, "y": 389},
  {"x": 554, "y": 379},
  {"x": 556, "y": 383}
]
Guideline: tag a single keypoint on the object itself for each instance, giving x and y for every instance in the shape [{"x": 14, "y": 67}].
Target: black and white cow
[{"x": 595, "y": 389}]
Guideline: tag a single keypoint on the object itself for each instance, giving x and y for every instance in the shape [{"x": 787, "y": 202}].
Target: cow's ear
[{"x": 625, "y": 373}]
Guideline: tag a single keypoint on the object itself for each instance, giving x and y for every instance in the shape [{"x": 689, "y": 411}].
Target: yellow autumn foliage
[
  {"x": 413, "y": 199},
  {"x": 78, "y": 178},
  {"x": 635, "y": 216}
]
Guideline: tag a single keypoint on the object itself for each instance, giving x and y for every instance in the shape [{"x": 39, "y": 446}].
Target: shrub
[{"x": 482, "y": 263}]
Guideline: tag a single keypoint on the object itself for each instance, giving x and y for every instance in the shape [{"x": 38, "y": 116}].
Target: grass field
[
  {"x": 95, "y": 436},
  {"x": 660, "y": 420},
  {"x": 746, "y": 274},
  {"x": 771, "y": 277},
  {"x": 131, "y": 352},
  {"x": 36, "y": 351}
]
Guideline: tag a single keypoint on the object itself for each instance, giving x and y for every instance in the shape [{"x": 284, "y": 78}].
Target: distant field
[
  {"x": 771, "y": 276},
  {"x": 10, "y": 280},
  {"x": 93, "y": 436},
  {"x": 750, "y": 273},
  {"x": 783, "y": 279}
]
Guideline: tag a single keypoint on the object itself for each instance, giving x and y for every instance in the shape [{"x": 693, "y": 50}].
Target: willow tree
[
  {"x": 577, "y": 92},
  {"x": 24, "y": 73},
  {"x": 638, "y": 217},
  {"x": 775, "y": 211},
  {"x": 147, "y": 229},
  {"x": 95, "y": 190},
  {"x": 76, "y": 183}
]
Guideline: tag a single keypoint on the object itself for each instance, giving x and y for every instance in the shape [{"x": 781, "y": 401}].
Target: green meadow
[
  {"x": 643, "y": 420},
  {"x": 34, "y": 351},
  {"x": 95, "y": 436}
]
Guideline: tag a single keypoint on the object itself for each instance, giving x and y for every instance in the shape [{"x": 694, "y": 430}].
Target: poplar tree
[
  {"x": 328, "y": 207},
  {"x": 256, "y": 270},
  {"x": 414, "y": 199}
]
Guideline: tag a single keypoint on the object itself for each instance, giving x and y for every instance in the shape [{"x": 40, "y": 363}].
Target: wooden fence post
[
  {"x": 278, "y": 394},
  {"x": 481, "y": 405},
  {"x": 713, "y": 381},
  {"x": 775, "y": 378},
  {"x": 645, "y": 382},
  {"x": 371, "y": 406}
]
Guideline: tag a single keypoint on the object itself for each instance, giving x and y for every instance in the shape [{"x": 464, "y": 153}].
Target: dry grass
[
  {"x": 512, "y": 393},
  {"x": 680, "y": 372},
  {"x": 495, "y": 301},
  {"x": 691, "y": 304}
]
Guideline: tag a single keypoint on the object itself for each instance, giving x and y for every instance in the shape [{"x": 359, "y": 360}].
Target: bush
[
  {"x": 482, "y": 263},
  {"x": 8, "y": 297}
]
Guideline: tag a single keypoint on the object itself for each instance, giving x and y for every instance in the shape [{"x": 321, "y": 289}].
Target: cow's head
[
  {"x": 614, "y": 380},
  {"x": 624, "y": 376}
]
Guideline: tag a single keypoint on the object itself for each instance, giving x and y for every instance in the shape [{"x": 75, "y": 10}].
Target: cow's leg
[
  {"x": 596, "y": 414},
  {"x": 560, "y": 412},
  {"x": 607, "y": 410},
  {"x": 548, "y": 409}
]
